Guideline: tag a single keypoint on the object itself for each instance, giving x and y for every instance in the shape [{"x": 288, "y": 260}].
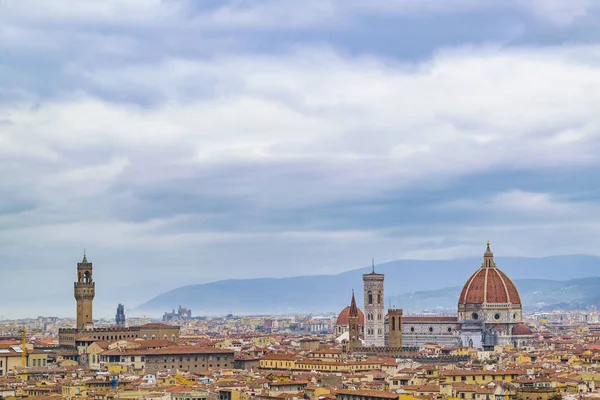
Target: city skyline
[{"x": 182, "y": 144}]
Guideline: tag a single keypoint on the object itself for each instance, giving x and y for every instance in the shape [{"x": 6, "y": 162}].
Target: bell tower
[
  {"x": 374, "y": 309},
  {"x": 354, "y": 325},
  {"x": 85, "y": 290}
]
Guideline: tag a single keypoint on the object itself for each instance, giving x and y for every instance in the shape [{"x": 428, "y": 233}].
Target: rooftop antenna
[{"x": 373, "y": 262}]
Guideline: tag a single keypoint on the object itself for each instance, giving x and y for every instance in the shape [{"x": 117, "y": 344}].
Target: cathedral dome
[
  {"x": 342, "y": 319},
  {"x": 521, "y": 330},
  {"x": 489, "y": 285}
]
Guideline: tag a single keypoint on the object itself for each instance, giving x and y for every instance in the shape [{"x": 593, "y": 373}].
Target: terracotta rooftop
[
  {"x": 342, "y": 319},
  {"x": 489, "y": 285}
]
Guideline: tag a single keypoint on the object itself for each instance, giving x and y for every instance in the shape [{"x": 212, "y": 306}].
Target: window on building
[{"x": 370, "y": 297}]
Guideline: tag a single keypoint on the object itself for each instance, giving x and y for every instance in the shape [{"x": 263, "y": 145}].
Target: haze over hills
[{"x": 414, "y": 285}]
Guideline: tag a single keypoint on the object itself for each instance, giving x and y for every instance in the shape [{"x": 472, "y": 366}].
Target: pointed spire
[
  {"x": 353, "y": 308},
  {"x": 373, "y": 263},
  {"x": 488, "y": 258},
  {"x": 84, "y": 261}
]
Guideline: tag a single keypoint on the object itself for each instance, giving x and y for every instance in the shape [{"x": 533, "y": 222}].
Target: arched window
[
  {"x": 370, "y": 297},
  {"x": 393, "y": 323},
  {"x": 379, "y": 298}
]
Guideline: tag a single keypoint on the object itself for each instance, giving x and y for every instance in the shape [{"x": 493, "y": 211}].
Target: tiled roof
[
  {"x": 429, "y": 318},
  {"x": 489, "y": 285},
  {"x": 369, "y": 393},
  {"x": 342, "y": 319}
]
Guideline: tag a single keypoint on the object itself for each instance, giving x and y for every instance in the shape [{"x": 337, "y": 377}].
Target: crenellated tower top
[{"x": 84, "y": 291}]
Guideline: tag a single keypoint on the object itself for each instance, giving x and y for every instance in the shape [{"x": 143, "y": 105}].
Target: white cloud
[
  {"x": 346, "y": 129},
  {"x": 557, "y": 11},
  {"x": 264, "y": 14},
  {"x": 457, "y": 114},
  {"x": 291, "y": 154}
]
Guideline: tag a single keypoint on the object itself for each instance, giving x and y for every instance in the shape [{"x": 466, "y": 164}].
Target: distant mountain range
[{"x": 565, "y": 282}]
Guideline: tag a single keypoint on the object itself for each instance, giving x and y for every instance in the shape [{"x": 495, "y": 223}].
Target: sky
[{"x": 182, "y": 141}]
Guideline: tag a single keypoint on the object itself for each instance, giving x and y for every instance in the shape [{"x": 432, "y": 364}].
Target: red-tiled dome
[
  {"x": 521, "y": 330},
  {"x": 342, "y": 319},
  {"x": 489, "y": 285}
]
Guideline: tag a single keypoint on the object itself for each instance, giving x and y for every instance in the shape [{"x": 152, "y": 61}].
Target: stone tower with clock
[
  {"x": 85, "y": 290},
  {"x": 374, "y": 309}
]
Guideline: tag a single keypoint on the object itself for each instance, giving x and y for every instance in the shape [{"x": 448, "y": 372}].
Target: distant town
[{"x": 488, "y": 349}]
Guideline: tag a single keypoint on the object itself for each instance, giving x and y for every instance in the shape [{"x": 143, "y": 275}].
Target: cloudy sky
[{"x": 189, "y": 141}]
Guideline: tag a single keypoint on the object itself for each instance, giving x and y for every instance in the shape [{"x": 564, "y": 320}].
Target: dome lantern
[{"x": 488, "y": 258}]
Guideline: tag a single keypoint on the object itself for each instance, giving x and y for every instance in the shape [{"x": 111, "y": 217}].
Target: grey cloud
[{"x": 214, "y": 145}]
